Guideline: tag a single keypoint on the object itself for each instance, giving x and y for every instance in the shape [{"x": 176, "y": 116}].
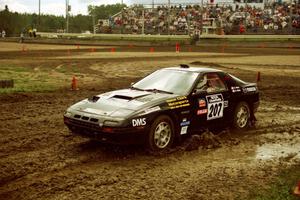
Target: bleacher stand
[{"x": 274, "y": 18}]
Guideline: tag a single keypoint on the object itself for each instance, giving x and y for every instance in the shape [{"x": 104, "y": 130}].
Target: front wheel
[
  {"x": 161, "y": 135},
  {"x": 241, "y": 116}
]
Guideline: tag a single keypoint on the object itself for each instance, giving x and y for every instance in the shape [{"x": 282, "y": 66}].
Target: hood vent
[
  {"x": 94, "y": 99},
  {"x": 128, "y": 98},
  {"x": 123, "y": 97}
]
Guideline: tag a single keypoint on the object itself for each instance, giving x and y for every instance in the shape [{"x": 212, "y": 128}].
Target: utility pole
[
  {"x": 143, "y": 26},
  {"x": 67, "y": 16},
  {"x": 201, "y": 26},
  {"x": 169, "y": 8},
  {"x": 93, "y": 17},
  {"x": 39, "y": 14}
]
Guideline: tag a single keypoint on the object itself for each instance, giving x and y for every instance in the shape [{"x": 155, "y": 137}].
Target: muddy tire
[
  {"x": 241, "y": 119},
  {"x": 161, "y": 135}
]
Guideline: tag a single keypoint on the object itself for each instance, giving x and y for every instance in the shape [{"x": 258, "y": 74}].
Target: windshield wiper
[
  {"x": 135, "y": 88},
  {"x": 157, "y": 90}
]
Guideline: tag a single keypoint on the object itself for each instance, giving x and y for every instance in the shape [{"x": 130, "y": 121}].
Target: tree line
[{"x": 14, "y": 23}]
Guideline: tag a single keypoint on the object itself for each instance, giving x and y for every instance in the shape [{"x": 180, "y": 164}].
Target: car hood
[{"x": 120, "y": 103}]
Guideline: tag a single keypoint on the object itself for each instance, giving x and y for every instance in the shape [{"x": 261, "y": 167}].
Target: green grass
[
  {"x": 26, "y": 79},
  {"x": 31, "y": 88},
  {"x": 68, "y": 70},
  {"x": 282, "y": 188}
]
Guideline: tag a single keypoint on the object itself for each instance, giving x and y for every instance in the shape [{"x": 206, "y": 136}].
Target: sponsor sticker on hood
[{"x": 153, "y": 109}]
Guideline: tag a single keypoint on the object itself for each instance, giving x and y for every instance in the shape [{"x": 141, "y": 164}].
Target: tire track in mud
[
  {"x": 65, "y": 166},
  {"x": 94, "y": 177},
  {"x": 39, "y": 159}
]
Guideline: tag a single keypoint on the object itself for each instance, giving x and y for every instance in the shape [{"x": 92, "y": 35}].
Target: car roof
[{"x": 194, "y": 69}]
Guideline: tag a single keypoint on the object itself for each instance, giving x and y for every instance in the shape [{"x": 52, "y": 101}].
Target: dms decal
[
  {"x": 139, "y": 122},
  {"x": 202, "y": 103},
  {"x": 215, "y": 106},
  {"x": 201, "y": 112}
]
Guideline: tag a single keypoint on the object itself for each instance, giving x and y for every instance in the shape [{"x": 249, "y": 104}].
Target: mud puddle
[{"x": 276, "y": 151}]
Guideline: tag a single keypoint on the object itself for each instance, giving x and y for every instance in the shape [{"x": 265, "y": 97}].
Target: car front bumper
[{"x": 113, "y": 135}]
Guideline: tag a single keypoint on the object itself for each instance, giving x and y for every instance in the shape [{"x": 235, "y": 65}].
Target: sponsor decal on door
[{"x": 215, "y": 106}]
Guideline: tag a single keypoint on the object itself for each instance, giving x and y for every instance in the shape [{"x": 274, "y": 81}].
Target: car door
[{"x": 210, "y": 101}]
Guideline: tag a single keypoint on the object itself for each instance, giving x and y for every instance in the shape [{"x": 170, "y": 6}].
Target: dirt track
[{"x": 39, "y": 159}]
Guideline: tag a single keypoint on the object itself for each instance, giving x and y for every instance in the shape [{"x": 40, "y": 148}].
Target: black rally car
[{"x": 164, "y": 106}]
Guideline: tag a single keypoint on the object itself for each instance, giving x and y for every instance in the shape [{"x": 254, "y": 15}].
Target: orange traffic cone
[
  {"x": 74, "y": 84},
  {"x": 112, "y": 50},
  {"x": 177, "y": 47},
  {"x": 151, "y": 49},
  {"x": 262, "y": 45},
  {"x": 258, "y": 77},
  {"x": 297, "y": 190},
  {"x": 24, "y": 49},
  {"x": 222, "y": 50}
]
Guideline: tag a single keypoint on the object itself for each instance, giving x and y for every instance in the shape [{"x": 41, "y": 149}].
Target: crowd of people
[{"x": 229, "y": 19}]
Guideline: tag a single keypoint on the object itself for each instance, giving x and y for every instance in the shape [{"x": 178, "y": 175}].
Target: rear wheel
[
  {"x": 161, "y": 135},
  {"x": 241, "y": 116}
]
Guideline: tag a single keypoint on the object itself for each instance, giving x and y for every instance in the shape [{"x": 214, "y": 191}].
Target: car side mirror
[
  {"x": 132, "y": 83},
  {"x": 197, "y": 92}
]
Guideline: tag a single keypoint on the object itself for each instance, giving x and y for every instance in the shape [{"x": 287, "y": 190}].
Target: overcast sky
[{"x": 57, "y": 7}]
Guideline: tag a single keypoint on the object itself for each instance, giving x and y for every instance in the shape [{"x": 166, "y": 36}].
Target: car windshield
[{"x": 169, "y": 81}]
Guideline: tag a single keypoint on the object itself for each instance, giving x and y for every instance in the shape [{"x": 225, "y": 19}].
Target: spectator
[
  {"x": 34, "y": 33},
  {"x": 242, "y": 28},
  {"x": 22, "y": 37},
  {"x": 3, "y": 33},
  {"x": 30, "y": 32},
  {"x": 181, "y": 19}
]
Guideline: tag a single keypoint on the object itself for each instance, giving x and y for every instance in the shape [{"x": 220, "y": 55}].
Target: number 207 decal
[{"x": 215, "y": 106}]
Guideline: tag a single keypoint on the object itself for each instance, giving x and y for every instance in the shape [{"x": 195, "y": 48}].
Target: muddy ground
[{"x": 39, "y": 159}]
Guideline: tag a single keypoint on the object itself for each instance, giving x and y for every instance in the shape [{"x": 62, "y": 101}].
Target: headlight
[
  {"x": 111, "y": 123},
  {"x": 68, "y": 114}
]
